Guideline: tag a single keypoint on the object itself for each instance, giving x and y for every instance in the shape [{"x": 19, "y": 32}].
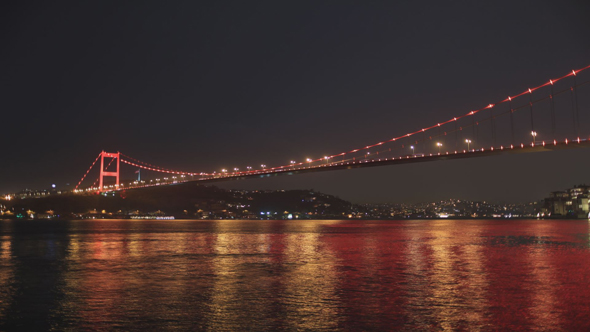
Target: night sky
[{"x": 200, "y": 86}]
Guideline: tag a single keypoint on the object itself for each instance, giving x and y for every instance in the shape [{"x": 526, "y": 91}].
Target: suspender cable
[
  {"x": 456, "y": 136},
  {"x": 511, "y": 118},
  {"x": 492, "y": 125},
  {"x": 531, "y": 111},
  {"x": 476, "y": 134},
  {"x": 575, "y": 92},
  {"x": 552, "y": 103},
  {"x": 439, "y": 136},
  {"x": 473, "y": 129},
  {"x": 424, "y": 139},
  {"x": 574, "y": 110}
]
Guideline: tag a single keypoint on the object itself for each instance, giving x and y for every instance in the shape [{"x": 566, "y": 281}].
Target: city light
[{"x": 468, "y": 141}]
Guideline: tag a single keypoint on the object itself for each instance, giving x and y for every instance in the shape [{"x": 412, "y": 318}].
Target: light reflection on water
[{"x": 295, "y": 275}]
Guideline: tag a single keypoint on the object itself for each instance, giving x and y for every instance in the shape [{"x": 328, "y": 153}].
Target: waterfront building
[{"x": 572, "y": 202}]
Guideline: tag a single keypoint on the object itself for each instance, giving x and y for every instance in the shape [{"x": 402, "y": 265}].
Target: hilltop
[{"x": 187, "y": 200}]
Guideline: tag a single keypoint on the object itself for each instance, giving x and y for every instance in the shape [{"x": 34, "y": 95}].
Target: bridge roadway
[{"x": 539, "y": 147}]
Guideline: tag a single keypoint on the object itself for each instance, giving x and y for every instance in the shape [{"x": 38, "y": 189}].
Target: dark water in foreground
[{"x": 294, "y": 275}]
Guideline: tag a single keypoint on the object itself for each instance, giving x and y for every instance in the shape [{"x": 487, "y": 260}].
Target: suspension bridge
[{"x": 551, "y": 116}]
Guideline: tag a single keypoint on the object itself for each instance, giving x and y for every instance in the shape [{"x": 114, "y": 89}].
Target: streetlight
[
  {"x": 249, "y": 168},
  {"x": 468, "y": 141},
  {"x": 412, "y": 147},
  {"x": 327, "y": 158},
  {"x": 293, "y": 163},
  {"x": 236, "y": 169},
  {"x": 309, "y": 161},
  {"x": 439, "y": 144},
  {"x": 263, "y": 166},
  {"x": 534, "y": 134}
]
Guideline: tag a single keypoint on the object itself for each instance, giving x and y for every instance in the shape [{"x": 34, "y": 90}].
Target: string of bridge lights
[
  {"x": 88, "y": 171},
  {"x": 423, "y": 130},
  {"x": 454, "y": 119},
  {"x": 156, "y": 169},
  {"x": 292, "y": 164}
]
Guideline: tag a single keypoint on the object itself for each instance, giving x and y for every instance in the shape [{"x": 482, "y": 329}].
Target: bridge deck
[{"x": 405, "y": 160}]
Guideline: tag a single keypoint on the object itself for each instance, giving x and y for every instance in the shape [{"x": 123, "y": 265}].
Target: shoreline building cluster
[
  {"x": 569, "y": 203},
  {"x": 452, "y": 208},
  {"x": 190, "y": 201}
]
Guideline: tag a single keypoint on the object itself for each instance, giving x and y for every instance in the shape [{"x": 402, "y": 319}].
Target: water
[{"x": 295, "y": 275}]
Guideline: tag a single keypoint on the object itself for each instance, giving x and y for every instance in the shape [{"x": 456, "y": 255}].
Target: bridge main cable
[
  {"x": 454, "y": 119},
  {"x": 150, "y": 167},
  {"x": 88, "y": 171}
]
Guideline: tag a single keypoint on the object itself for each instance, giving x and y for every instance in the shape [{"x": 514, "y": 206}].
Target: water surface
[{"x": 295, "y": 275}]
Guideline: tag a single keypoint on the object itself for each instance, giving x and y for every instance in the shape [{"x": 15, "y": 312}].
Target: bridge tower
[{"x": 104, "y": 173}]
